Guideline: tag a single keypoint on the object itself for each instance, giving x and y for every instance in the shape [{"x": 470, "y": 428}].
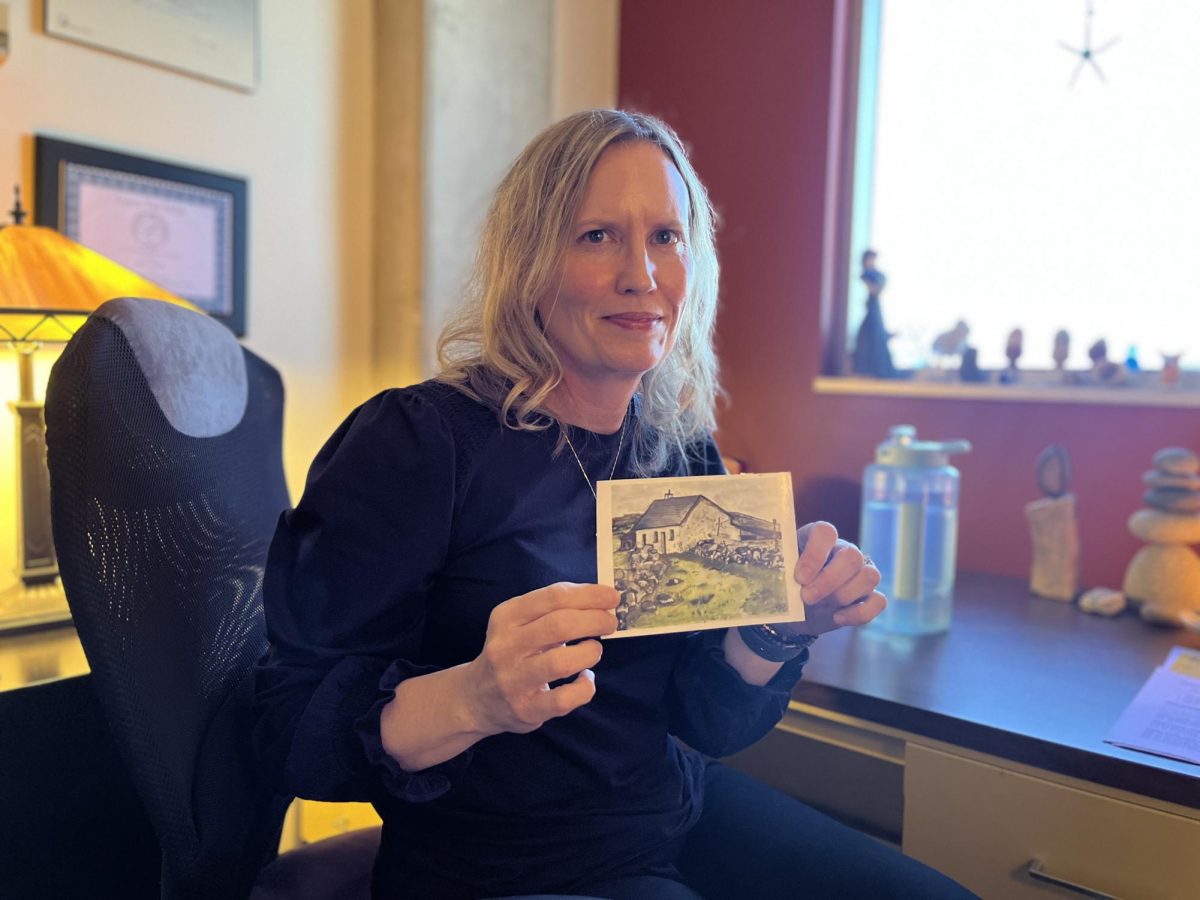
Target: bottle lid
[{"x": 903, "y": 449}]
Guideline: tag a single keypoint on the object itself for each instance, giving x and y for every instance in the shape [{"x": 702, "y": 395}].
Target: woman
[{"x": 431, "y": 601}]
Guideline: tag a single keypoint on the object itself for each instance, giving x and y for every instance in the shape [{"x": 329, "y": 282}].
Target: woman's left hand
[{"x": 836, "y": 581}]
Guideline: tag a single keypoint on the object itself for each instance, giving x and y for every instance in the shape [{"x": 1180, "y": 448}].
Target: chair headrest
[{"x": 194, "y": 365}]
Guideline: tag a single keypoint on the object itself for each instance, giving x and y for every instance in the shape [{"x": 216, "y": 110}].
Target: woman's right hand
[{"x": 527, "y": 648}]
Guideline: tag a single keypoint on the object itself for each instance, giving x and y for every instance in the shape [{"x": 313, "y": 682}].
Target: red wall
[{"x": 747, "y": 87}]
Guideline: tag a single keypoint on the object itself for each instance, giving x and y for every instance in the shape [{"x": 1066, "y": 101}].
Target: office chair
[{"x": 164, "y": 446}]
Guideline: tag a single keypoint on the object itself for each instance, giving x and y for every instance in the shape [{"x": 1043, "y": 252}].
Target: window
[{"x": 1010, "y": 179}]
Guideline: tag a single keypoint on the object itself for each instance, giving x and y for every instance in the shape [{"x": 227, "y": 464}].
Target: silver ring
[{"x": 867, "y": 561}]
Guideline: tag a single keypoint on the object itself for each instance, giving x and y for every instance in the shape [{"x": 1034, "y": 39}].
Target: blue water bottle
[{"x": 910, "y": 529}]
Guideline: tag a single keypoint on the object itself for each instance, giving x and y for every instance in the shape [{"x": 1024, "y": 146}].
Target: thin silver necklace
[{"x": 579, "y": 462}]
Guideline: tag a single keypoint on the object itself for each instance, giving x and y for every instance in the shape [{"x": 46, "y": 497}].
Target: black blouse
[{"x": 420, "y": 514}]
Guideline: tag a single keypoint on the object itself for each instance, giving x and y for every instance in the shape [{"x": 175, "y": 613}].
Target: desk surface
[
  {"x": 33, "y": 657},
  {"x": 1030, "y": 680},
  {"x": 1026, "y": 679}
]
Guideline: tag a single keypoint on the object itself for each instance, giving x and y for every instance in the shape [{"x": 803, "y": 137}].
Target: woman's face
[{"x": 624, "y": 275}]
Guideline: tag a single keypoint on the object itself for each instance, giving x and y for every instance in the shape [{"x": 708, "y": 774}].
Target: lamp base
[{"x": 38, "y": 562}]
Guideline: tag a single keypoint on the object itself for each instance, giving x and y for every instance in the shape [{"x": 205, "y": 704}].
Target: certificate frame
[
  {"x": 180, "y": 227},
  {"x": 216, "y": 40}
]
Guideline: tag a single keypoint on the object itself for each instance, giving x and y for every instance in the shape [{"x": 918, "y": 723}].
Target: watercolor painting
[{"x": 708, "y": 551}]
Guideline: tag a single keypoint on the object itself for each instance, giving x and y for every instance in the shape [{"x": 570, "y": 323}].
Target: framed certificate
[
  {"x": 182, "y": 228},
  {"x": 212, "y": 39}
]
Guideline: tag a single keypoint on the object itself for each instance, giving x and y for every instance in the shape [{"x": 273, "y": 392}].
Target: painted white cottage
[{"x": 677, "y": 524}]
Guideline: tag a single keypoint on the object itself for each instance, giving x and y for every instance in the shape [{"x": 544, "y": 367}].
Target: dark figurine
[
  {"x": 871, "y": 353},
  {"x": 1062, "y": 349},
  {"x": 969, "y": 370},
  {"x": 1015, "y": 346},
  {"x": 1012, "y": 350},
  {"x": 1104, "y": 370}
]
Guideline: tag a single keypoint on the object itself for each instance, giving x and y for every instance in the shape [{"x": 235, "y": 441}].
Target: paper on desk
[{"x": 1164, "y": 717}]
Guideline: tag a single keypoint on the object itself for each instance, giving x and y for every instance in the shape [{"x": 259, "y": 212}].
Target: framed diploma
[
  {"x": 182, "y": 228},
  {"x": 212, "y": 39}
]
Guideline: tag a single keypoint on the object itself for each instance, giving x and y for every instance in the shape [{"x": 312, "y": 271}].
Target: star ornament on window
[{"x": 1087, "y": 53}]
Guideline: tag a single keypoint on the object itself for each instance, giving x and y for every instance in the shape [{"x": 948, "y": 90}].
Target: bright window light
[{"x": 1013, "y": 181}]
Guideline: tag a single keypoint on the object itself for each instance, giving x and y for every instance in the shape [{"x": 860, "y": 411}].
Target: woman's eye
[
  {"x": 666, "y": 236},
  {"x": 595, "y": 236}
]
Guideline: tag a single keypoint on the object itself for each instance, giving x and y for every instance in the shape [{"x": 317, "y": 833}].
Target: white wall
[{"x": 303, "y": 140}]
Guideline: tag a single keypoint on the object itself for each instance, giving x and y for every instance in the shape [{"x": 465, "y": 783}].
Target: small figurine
[
  {"x": 1013, "y": 348},
  {"x": 950, "y": 344},
  {"x": 1131, "y": 360},
  {"x": 871, "y": 353},
  {"x": 1104, "y": 370},
  {"x": 969, "y": 371},
  {"x": 1170, "y": 369},
  {"x": 1062, "y": 349}
]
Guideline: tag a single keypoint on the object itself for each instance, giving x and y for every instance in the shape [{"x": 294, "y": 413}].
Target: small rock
[
  {"x": 1164, "y": 528},
  {"x": 1158, "y": 616},
  {"x": 1103, "y": 601},
  {"x": 1177, "y": 461},
  {"x": 1172, "y": 500},
  {"x": 1155, "y": 478}
]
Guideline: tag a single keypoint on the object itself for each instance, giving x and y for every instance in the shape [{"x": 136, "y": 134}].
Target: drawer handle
[{"x": 1036, "y": 871}]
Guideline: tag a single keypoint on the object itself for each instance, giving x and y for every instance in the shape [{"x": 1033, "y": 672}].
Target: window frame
[{"x": 847, "y": 184}]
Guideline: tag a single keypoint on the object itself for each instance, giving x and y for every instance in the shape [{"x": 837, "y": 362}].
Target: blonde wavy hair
[{"x": 495, "y": 349}]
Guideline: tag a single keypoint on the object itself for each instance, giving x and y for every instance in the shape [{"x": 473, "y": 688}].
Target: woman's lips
[{"x": 635, "y": 321}]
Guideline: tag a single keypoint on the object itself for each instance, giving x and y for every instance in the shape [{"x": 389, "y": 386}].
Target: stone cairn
[{"x": 1164, "y": 576}]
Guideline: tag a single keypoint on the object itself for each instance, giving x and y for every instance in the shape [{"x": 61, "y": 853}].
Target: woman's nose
[{"x": 637, "y": 272}]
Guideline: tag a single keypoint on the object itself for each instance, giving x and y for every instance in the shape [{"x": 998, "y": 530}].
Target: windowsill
[{"x": 1128, "y": 395}]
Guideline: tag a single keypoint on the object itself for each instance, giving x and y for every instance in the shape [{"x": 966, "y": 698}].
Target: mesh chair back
[{"x": 162, "y": 538}]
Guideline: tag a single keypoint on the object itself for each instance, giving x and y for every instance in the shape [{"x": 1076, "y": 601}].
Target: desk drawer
[{"x": 982, "y": 824}]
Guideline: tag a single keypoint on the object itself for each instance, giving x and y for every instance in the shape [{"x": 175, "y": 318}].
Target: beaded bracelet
[{"x": 773, "y": 646}]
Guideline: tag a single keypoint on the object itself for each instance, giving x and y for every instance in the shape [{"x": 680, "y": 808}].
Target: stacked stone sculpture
[{"x": 1164, "y": 576}]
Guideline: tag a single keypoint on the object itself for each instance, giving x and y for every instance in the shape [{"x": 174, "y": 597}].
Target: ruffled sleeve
[{"x": 345, "y": 591}]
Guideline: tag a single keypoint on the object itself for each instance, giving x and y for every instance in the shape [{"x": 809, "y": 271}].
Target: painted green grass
[{"x": 709, "y": 592}]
